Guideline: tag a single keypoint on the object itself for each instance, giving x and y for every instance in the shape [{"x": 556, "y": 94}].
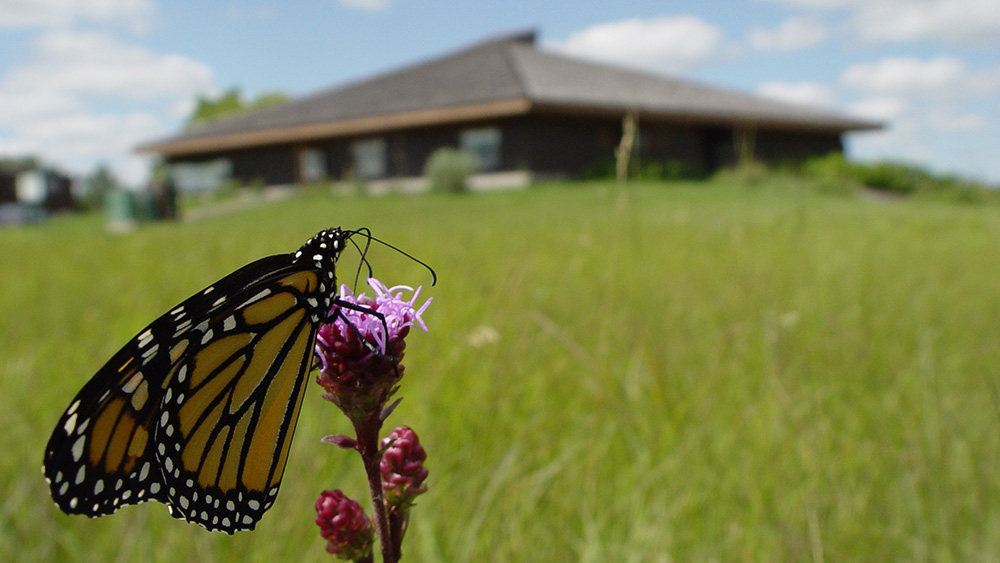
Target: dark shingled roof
[{"x": 499, "y": 77}]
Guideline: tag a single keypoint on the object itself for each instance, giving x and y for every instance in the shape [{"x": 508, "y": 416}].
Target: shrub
[
  {"x": 644, "y": 169},
  {"x": 892, "y": 177},
  {"x": 448, "y": 169},
  {"x": 832, "y": 174}
]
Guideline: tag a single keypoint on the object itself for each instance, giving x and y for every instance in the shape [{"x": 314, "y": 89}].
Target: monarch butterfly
[{"x": 198, "y": 410}]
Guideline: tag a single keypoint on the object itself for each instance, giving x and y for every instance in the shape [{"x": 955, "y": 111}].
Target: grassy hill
[{"x": 694, "y": 372}]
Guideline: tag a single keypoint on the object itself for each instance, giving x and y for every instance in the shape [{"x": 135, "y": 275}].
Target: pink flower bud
[
  {"x": 344, "y": 525},
  {"x": 402, "y": 467}
]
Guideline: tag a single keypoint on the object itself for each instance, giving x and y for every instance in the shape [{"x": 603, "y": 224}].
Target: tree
[
  {"x": 99, "y": 183},
  {"x": 228, "y": 103}
]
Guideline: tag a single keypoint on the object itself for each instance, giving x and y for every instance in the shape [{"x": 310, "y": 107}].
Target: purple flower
[
  {"x": 402, "y": 467},
  {"x": 360, "y": 353},
  {"x": 344, "y": 525}
]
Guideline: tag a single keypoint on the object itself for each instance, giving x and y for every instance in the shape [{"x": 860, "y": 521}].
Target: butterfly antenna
[
  {"x": 365, "y": 232},
  {"x": 362, "y": 251}
]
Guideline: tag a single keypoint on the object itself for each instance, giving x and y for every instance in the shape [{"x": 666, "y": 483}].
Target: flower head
[
  {"x": 402, "y": 467},
  {"x": 361, "y": 350},
  {"x": 344, "y": 525}
]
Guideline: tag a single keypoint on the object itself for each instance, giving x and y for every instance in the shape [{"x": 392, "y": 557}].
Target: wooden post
[{"x": 630, "y": 126}]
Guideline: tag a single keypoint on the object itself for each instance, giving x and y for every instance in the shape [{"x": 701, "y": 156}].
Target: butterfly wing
[
  {"x": 147, "y": 427},
  {"x": 229, "y": 414}
]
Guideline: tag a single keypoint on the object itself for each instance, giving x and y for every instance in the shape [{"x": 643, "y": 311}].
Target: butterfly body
[{"x": 198, "y": 410}]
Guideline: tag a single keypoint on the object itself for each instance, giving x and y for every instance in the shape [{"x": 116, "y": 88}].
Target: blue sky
[{"x": 84, "y": 81}]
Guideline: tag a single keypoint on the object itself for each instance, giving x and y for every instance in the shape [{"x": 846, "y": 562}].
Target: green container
[
  {"x": 119, "y": 209},
  {"x": 145, "y": 207}
]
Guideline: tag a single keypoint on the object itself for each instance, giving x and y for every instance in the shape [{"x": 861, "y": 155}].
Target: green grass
[{"x": 702, "y": 373}]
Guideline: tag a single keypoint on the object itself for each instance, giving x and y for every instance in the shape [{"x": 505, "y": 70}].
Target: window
[
  {"x": 484, "y": 145},
  {"x": 201, "y": 176},
  {"x": 369, "y": 158},
  {"x": 312, "y": 165}
]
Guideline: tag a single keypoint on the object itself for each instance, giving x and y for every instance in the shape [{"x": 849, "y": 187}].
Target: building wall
[{"x": 556, "y": 144}]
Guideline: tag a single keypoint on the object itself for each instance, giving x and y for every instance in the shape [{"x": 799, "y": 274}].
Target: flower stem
[{"x": 368, "y": 446}]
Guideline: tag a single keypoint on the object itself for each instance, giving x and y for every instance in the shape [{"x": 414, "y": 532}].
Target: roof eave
[
  {"x": 692, "y": 116},
  {"x": 341, "y": 128}
]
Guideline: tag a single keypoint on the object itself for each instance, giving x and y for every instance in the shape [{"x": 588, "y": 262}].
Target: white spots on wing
[
  {"x": 182, "y": 374},
  {"x": 148, "y": 354},
  {"x": 64, "y": 488},
  {"x": 183, "y": 501},
  {"x": 206, "y": 337},
  {"x": 80, "y": 474},
  {"x": 230, "y": 505},
  {"x": 202, "y": 326},
  {"x": 72, "y": 408},
  {"x": 99, "y": 487},
  {"x": 145, "y": 337},
  {"x": 229, "y": 324},
  {"x": 77, "y": 449},
  {"x": 247, "y": 519},
  {"x": 182, "y": 327},
  {"x": 70, "y": 424},
  {"x": 154, "y": 488},
  {"x": 219, "y": 301},
  {"x": 263, "y": 293},
  {"x": 168, "y": 463},
  {"x": 318, "y": 257},
  {"x": 254, "y": 505},
  {"x": 144, "y": 472},
  {"x": 73, "y": 502},
  {"x": 208, "y": 290}
]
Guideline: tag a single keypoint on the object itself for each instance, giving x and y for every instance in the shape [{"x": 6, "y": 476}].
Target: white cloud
[
  {"x": 949, "y": 20},
  {"x": 372, "y": 5},
  {"x": 666, "y": 44},
  {"x": 879, "y": 108},
  {"x": 907, "y": 76},
  {"x": 55, "y": 104},
  {"x": 958, "y": 21},
  {"x": 49, "y": 13},
  {"x": 951, "y": 121},
  {"x": 806, "y": 93},
  {"x": 97, "y": 64},
  {"x": 77, "y": 142},
  {"x": 792, "y": 34}
]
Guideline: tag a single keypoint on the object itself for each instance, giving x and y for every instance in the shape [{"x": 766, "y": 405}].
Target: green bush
[
  {"x": 893, "y": 177},
  {"x": 832, "y": 173},
  {"x": 748, "y": 174},
  {"x": 448, "y": 169},
  {"x": 644, "y": 169}
]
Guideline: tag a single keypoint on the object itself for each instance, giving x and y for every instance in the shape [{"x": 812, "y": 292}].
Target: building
[{"x": 522, "y": 112}]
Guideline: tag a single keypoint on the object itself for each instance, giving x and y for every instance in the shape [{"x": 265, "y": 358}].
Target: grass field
[{"x": 702, "y": 373}]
